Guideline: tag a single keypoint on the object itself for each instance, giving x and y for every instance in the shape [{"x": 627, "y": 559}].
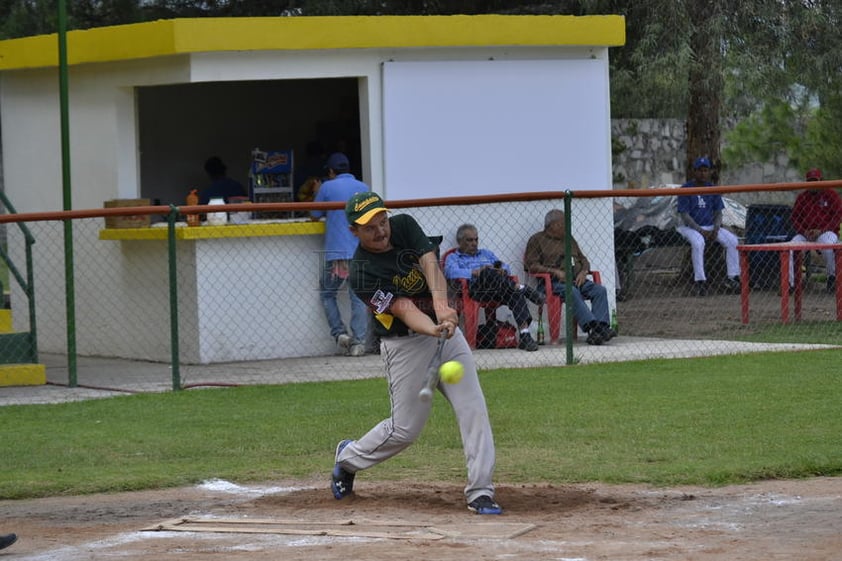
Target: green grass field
[
  {"x": 708, "y": 421},
  {"x": 802, "y": 332}
]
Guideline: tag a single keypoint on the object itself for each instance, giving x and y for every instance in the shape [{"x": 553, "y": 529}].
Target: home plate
[{"x": 347, "y": 528}]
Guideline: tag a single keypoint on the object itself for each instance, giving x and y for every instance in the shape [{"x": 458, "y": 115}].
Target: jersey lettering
[
  {"x": 411, "y": 283},
  {"x": 381, "y": 301}
]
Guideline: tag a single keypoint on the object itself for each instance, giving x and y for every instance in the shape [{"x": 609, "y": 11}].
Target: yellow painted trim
[
  {"x": 134, "y": 234},
  {"x": 23, "y": 374},
  {"x": 258, "y": 230},
  {"x": 186, "y": 36},
  {"x": 5, "y": 321}
]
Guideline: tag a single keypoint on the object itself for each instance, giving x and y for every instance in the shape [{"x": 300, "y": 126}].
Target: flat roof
[{"x": 195, "y": 35}]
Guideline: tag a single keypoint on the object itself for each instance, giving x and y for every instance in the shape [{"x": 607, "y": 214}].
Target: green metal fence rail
[{"x": 21, "y": 347}]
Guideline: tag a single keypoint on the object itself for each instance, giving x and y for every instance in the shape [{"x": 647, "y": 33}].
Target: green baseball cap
[{"x": 362, "y": 207}]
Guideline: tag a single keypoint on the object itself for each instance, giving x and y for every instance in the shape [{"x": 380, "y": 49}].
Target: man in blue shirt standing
[
  {"x": 701, "y": 217},
  {"x": 490, "y": 280},
  {"x": 339, "y": 248}
]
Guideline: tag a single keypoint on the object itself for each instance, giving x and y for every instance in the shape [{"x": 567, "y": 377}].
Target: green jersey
[{"x": 379, "y": 278}]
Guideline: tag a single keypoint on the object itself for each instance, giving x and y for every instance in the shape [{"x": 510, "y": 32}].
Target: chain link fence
[{"x": 170, "y": 304}]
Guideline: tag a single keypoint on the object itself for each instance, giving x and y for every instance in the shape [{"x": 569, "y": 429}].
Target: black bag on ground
[
  {"x": 487, "y": 335},
  {"x": 496, "y": 334}
]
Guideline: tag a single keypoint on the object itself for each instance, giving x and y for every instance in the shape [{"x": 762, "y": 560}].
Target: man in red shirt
[{"x": 816, "y": 215}]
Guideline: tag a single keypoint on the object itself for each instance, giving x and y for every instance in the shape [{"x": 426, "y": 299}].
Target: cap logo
[{"x": 366, "y": 202}]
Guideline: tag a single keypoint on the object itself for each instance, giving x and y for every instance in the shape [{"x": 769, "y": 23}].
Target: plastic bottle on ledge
[
  {"x": 218, "y": 218},
  {"x": 192, "y": 199},
  {"x": 614, "y": 325}
]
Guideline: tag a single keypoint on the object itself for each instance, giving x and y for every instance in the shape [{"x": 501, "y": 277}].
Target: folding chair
[
  {"x": 555, "y": 302},
  {"x": 467, "y": 307}
]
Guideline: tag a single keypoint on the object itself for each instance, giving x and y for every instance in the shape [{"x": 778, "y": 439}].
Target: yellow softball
[{"x": 451, "y": 372}]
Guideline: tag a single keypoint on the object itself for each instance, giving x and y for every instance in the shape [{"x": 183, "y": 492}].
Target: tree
[
  {"x": 785, "y": 84},
  {"x": 766, "y": 69},
  {"x": 29, "y": 17},
  {"x": 85, "y": 14},
  {"x": 704, "y": 82}
]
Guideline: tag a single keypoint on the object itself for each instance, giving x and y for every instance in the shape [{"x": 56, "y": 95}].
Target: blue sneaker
[
  {"x": 484, "y": 505},
  {"x": 342, "y": 482}
]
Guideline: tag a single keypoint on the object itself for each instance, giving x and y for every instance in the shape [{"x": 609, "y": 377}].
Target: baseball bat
[{"x": 432, "y": 378}]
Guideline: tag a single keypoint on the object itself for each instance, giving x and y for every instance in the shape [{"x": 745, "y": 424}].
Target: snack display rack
[{"x": 271, "y": 180}]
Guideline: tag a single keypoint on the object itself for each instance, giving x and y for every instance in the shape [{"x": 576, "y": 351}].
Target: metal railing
[{"x": 21, "y": 347}]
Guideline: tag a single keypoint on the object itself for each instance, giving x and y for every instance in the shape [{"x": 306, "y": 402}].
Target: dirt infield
[{"x": 769, "y": 520}]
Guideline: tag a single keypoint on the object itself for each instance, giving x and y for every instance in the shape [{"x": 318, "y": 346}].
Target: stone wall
[{"x": 651, "y": 153}]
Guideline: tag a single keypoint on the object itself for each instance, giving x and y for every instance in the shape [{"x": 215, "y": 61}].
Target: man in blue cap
[
  {"x": 340, "y": 245},
  {"x": 701, "y": 221}
]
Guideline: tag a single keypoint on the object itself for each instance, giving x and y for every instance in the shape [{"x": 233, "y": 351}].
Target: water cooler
[{"x": 767, "y": 224}]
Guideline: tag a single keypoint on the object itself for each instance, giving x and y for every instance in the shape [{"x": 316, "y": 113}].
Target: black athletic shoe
[
  {"x": 527, "y": 343},
  {"x": 607, "y": 332},
  {"x": 7, "y": 540},
  {"x": 732, "y": 284},
  {"x": 595, "y": 336},
  {"x": 342, "y": 482},
  {"x": 484, "y": 505},
  {"x": 701, "y": 288}
]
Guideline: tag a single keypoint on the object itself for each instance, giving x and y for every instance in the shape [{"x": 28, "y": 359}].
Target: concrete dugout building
[{"x": 425, "y": 107}]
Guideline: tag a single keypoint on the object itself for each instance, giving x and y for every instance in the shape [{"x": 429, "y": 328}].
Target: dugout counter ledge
[
  {"x": 245, "y": 291},
  {"x": 184, "y": 232}
]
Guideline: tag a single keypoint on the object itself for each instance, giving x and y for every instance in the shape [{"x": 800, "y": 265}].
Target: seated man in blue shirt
[
  {"x": 701, "y": 221},
  {"x": 490, "y": 280}
]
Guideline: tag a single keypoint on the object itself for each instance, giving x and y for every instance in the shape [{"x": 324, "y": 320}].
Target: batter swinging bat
[{"x": 432, "y": 379}]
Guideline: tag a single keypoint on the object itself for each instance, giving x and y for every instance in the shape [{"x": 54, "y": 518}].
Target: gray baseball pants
[{"x": 406, "y": 360}]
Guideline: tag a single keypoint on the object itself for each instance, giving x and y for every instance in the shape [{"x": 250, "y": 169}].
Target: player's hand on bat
[
  {"x": 448, "y": 320},
  {"x": 446, "y": 313},
  {"x": 447, "y": 326}
]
